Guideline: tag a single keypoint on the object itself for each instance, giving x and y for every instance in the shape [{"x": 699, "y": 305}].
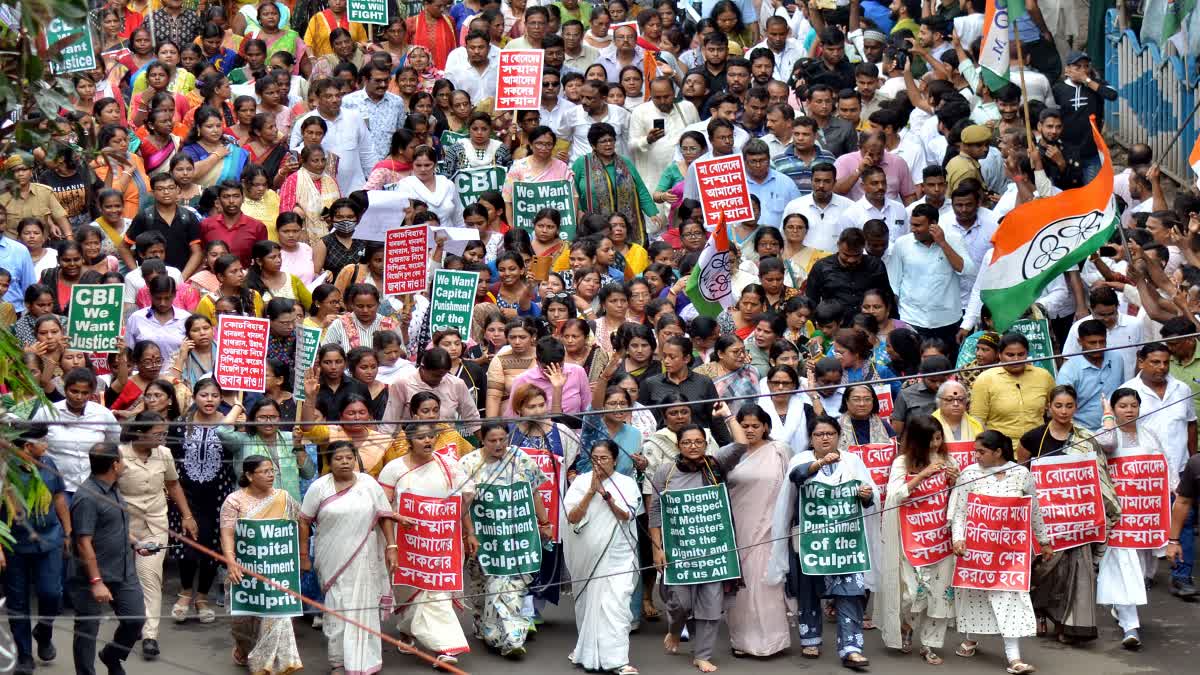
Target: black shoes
[
  {"x": 25, "y": 666},
  {"x": 109, "y": 658},
  {"x": 1184, "y": 590},
  {"x": 45, "y": 648},
  {"x": 150, "y": 650}
]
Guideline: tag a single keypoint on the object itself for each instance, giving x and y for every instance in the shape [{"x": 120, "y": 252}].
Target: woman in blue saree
[{"x": 216, "y": 156}]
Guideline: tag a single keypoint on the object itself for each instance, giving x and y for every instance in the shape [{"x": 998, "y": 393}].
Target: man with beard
[
  {"x": 973, "y": 146},
  {"x": 594, "y": 108},
  {"x": 720, "y": 139},
  {"x": 1008, "y": 104},
  {"x": 800, "y": 159},
  {"x": 845, "y": 277},
  {"x": 875, "y": 204},
  {"x": 737, "y": 77},
  {"x": 1060, "y": 163},
  {"x": 762, "y": 66},
  {"x": 754, "y": 114},
  {"x": 924, "y": 268}
]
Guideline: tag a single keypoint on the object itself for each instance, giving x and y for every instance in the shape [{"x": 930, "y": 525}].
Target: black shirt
[
  {"x": 695, "y": 387},
  {"x": 1040, "y": 443},
  {"x": 99, "y": 511},
  {"x": 180, "y": 233},
  {"x": 830, "y": 280},
  {"x": 1077, "y": 102},
  {"x": 1189, "y": 480}
]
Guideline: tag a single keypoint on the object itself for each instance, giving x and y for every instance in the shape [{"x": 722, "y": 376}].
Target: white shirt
[
  {"x": 651, "y": 159},
  {"x": 740, "y": 137},
  {"x": 945, "y": 211},
  {"x": 579, "y": 122},
  {"x": 792, "y": 52},
  {"x": 134, "y": 281},
  {"x": 892, "y": 213},
  {"x": 457, "y": 58},
  {"x": 926, "y": 285},
  {"x": 968, "y": 28},
  {"x": 442, "y": 200},
  {"x": 479, "y": 85},
  {"x": 1169, "y": 422},
  {"x": 824, "y": 224},
  {"x": 977, "y": 240},
  {"x": 1128, "y": 331},
  {"x": 913, "y": 153},
  {"x": 559, "y": 118},
  {"x": 70, "y": 443},
  {"x": 349, "y": 139}
]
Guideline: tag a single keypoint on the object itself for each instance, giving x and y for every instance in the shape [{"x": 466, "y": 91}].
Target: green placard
[
  {"x": 833, "y": 538},
  {"x": 473, "y": 182},
  {"x": 94, "y": 323},
  {"x": 368, "y": 11},
  {"x": 452, "y": 301},
  {"x": 529, "y": 198},
  {"x": 307, "y": 344},
  {"x": 270, "y": 548},
  {"x": 1037, "y": 331},
  {"x": 698, "y": 538},
  {"x": 507, "y": 528},
  {"x": 449, "y": 138},
  {"x": 78, "y": 56}
]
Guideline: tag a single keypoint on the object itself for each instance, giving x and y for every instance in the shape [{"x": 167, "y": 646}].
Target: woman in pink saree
[{"x": 539, "y": 167}]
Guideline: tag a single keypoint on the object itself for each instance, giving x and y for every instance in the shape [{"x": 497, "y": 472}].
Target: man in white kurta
[{"x": 654, "y": 148}]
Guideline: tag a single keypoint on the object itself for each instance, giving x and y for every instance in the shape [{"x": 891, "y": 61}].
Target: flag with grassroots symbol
[
  {"x": 993, "y": 50},
  {"x": 710, "y": 285},
  {"x": 1041, "y": 239}
]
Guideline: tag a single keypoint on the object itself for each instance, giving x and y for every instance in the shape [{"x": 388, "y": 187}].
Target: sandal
[
  {"x": 650, "y": 612},
  {"x": 1043, "y": 628},
  {"x": 931, "y": 657},
  {"x": 1019, "y": 667},
  {"x": 906, "y": 640},
  {"x": 966, "y": 649},
  {"x": 830, "y": 614},
  {"x": 869, "y": 625},
  {"x": 810, "y": 652},
  {"x": 179, "y": 611},
  {"x": 238, "y": 658},
  {"x": 626, "y": 669},
  {"x": 449, "y": 659},
  {"x": 204, "y": 612},
  {"x": 859, "y": 663}
]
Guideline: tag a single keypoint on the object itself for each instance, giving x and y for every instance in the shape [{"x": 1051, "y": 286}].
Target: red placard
[
  {"x": 519, "y": 79},
  {"x": 430, "y": 556},
  {"x": 1141, "y": 481},
  {"x": 404, "y": 253},
  {"x": 924, "y": 530},
  {"x": 962, "y": 452},
  {"x": 887, "y": 406},
  {"x": 1068, "y": 489},
  {"x": 723, "y": 190},
  {"x": 549, "y": 463},
  {"x": 999, "y": 544},
  {"x": 878, "y": 457},
  {"x": 242, "y": 353}
]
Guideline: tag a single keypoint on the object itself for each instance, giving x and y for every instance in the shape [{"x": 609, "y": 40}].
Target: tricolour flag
[
  {"x": 1041, "y": 239},
  {"x": 710, "y": 285},
  {"x": 1194, "y": 160},
  {"x": 993, "y": 50}
]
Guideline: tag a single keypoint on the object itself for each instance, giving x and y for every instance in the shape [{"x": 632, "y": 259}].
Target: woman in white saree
[
  {"x": 600, "y": 545},
  {"x": 356, "y": 536}
]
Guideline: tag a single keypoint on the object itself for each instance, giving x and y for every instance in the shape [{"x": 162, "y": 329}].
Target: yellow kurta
[
  {"x": 317, "y": 35},
  {"x": 1011, "y": 405}
]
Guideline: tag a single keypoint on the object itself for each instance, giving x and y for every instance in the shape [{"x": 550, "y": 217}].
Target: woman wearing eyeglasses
[
  {"x": 539, "y": 167},
  {"x": 983, "y": 612},
  {"x": 827, "y": 465},
  {"x": 269, "y": 440},
  {"x": 148, "y": 480},
  {"x": 789, "y": 410}
]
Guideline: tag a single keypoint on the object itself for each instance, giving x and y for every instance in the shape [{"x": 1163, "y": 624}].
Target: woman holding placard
[
  {"x": 825, "y": 467},
  {"x": 1063, "y": 586},
  {"x": 350, "y": 558},
  {"x": 500, "y": 469},
  {"x": 428, "y": 616},
  {"x": 1121, "y": 580},
  {"x": 263, "y": 645},
  {"x": 988, "y": 612},
  {"x": 921, "y": 478}
]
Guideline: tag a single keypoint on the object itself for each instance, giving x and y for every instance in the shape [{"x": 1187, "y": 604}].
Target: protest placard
[
  {"x": 307, "y": 344},
  {"x": 79, "y": 55},
  {"x": 924, "y": 530},
  {"x": 519, "y": 79},
  {"x": 452, "y": 301},
  {"x": 887, "y": 405},
  {"x": 242, "y": 353},
  {"x": 698, "y": 537},
  {"x": 548, "y": 491},
  {"x": 878, "y": 457},
  {"x": 430, "y": 553},
  {"x": 833, "y": 535},
  {"x": 95, "y": 319},
  {"x": 1037, "y": 331},
  {"x": 723, "y": 190},
  {"x": 529, "y": 198},
  {"x": 473, "y": 182},
  {"x": 1068, "y": 489},
  {"x": 368, "y": 11},
  {"x": 999, "y": 544},
  {"x": 1142, "y": 487},
  {"x": 962, "y": 452},
  {"x": 270, "y": 548},
  {"x": 405, "y": 250},
  {"x": 507, "y": 528},
  {"x": 385, "y": 208}
]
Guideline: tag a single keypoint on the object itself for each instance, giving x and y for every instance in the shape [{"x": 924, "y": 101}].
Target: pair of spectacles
[
  {"x": 694, "y": 443},
  {"x": 824, "y": 434}
]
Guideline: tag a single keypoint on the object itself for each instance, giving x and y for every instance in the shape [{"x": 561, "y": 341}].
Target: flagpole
[
  {"x": 1179, "y": 131},
  {"x": 1025, "y": 100}
]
